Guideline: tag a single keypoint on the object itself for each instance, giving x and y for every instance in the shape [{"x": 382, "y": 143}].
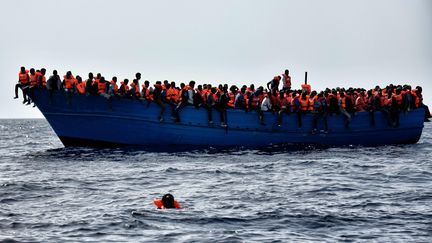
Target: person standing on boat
[
  {"x": 157, "y": 98},
  {"x": 186, "y": 96},
  {"x": 23, "y": 83},
  {"x": 286, "y": 81},
  {"x": 274, "y": 83}
]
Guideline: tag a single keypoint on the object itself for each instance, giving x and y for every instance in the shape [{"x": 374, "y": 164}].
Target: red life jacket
[
  {"x": 81, "y": 87},
  {"x": 159, "y": 204},
  {"x": 24, "y": 78},
  {"x": 33, "y": 79},
  {"x": 69, "y": 82},
  {"x": 304, "y": 104}
]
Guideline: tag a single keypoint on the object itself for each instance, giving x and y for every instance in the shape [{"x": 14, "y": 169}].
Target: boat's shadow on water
[{"x": 122, "y": 153}]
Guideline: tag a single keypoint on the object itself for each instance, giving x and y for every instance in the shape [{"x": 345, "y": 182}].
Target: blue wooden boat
[{"x": 89, "y": 120}]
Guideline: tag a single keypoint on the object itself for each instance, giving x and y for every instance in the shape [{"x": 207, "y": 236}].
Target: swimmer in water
[{"x": 167, "y": 201}]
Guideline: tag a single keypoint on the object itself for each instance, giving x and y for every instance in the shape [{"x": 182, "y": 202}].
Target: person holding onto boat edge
[
  {"x": 167, "y": 202},
  {"x": 23, "y": 82},
  {"x": 186, "y": 98},
  {"x": 157, "y": 98}
]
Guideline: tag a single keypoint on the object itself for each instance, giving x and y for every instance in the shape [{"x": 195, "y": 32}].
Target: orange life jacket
[
  {"x": 304, "y": 104},
  {"x": 416, "y": 98},
  {"x": 126, "y": 88},
  {"x": 312, "y": 102},
  {"x": 343, "y": 102},
  {"x": 172, "y": 94},
  {"x": 33, "y": 79},
  {"x": 23, "y": 78},
  {"x": 69, "y": 82},
  {"x": 159, "y": 204},
  {"x": 81, "y": 87}
]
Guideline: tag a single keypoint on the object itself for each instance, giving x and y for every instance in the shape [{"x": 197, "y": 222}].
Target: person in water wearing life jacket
[
  {"x": 23, "y": 83},
  {"x": 186, "y": 98},
  {"x": 167, "y": 202}
]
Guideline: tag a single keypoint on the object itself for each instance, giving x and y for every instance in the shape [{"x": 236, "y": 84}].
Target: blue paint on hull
[{"x": 96, "y": 121}]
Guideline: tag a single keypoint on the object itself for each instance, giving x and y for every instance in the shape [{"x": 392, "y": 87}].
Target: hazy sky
[{"x": 339, "y": 42}]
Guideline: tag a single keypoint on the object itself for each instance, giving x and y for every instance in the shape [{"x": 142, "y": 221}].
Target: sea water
[{"x": 49, "y": 193}]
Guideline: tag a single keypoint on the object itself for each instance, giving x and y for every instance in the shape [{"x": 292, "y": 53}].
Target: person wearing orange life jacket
[
  {"x": 34, "y": 75},
  {"x": 80, "y": 86},
  {"x": 147, "y": 91},
  {"x": 113, "y": 87},
  {"x": 255, "y": 99},
  {"x": 102, "y": 86},
  {"x": 342, "y": 107},
  {"x": 312, "y": 98},
  {"x": 419, "y": 103},
  {"x": 172, "y": 94},
  {"x": 124, "y": 88},
  {"x": 304, "y": 108},
  {"x": 69, "y": 84},
  {"x": 167, "y": 202},
  {"x": 135, "y": 89},
  {"x": 23, "y": 82},
  {"x": 231, "y": 95},
  {"x": 41, "y": 78},
  {"x": 286, "y": 81}
]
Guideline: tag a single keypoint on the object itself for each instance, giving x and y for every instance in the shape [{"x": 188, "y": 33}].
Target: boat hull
[{"x": 82, "y": 120}]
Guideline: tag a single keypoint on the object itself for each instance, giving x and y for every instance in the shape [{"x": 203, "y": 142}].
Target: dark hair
[{"x": 168, "y": 201}]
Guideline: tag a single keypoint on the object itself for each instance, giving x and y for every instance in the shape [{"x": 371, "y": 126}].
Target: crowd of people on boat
[{"x": 277, "y": 97}]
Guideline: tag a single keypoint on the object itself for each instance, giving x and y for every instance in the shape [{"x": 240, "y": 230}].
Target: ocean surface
[{"x": 49, "y": 193}]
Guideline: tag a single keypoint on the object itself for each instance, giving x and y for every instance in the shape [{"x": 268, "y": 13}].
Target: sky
[{"x": 340, "y": 43}]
